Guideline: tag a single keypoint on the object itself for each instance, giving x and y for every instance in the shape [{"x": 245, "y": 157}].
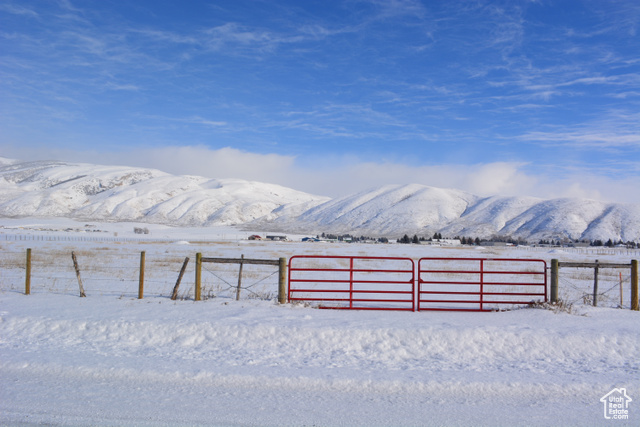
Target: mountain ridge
[{"x": 117, "y": 193}]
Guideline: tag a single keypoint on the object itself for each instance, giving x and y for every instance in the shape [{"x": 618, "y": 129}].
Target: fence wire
[
  {"x": 576, "y": 286},
  {"x": 257, "y": 281},
  {"x": 112, "y": 274}
]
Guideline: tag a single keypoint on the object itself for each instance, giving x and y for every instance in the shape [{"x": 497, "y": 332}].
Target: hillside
[
  {"x": 111, "y": 193},
  {"x": 416, "y": 209}
]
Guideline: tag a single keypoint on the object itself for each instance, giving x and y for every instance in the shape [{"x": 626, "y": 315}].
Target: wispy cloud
[
  {"x": 18, "y": 10},
  {"x": 165, "y": 36},
  {"x": 359, "y": 121},
  {"x": 124, "y": 87},
  {"x": 618, "y": 130},
  {"x": 234, "y": 35},
  {"x": 395, "y": 8},
  {"x": 192, "y": 120}
]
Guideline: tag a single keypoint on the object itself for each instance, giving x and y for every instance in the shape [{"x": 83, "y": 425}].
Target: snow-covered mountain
[
  {"x": 388, "y": 210},
  {"x": 113, "y": 193},
  {"x": 423, "y": 210},
  {"x": 110, "y": 193}
]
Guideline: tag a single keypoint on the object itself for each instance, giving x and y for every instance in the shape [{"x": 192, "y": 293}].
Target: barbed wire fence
[
  {"x": 258, "y": 281},
  {"x": 118, "y": 273},
  {"x": 257, "y": 277},
  {"x": 577, "y": 287},
  {"x": 111, "y": 274}
]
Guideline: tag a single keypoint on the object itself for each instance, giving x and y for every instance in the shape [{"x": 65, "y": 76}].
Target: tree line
[
  {"x": 437, "y": 237},
  {"x": 476, "y": 241},
  {"x": 351, "y": 238}
]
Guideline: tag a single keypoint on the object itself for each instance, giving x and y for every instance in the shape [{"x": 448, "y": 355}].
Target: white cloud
[
  {"x": 221, "y": 163},
  {"x": 339, "y": 176}
]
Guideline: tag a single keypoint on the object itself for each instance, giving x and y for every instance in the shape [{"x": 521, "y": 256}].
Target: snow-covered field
[{"x": 112, "y": 359}]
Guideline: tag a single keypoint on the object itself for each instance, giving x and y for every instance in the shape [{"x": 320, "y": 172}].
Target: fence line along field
[
  {"x": 115, "y": 271},
  {"x": 112, "y": 267}
]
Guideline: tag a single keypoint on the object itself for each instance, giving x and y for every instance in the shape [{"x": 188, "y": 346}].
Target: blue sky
[{"x": 537, "y": 98}]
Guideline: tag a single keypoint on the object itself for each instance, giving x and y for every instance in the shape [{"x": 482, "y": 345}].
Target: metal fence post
[
  {"x": 634, "y": 285},
  {"x": 554, "y": 281},
  {"x": 595, "y": 285},
  {"x": 481, "y": 284},
  {"x": 198, "y": 275}
]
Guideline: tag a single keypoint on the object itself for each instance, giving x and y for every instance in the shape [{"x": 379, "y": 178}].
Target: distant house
[
  {"x": 255, "y": 237},
  {"x": 310, "y": 239},
  {"x": 441, "y": 242},
  {"x": 277, "y": 238},
  {"x": 450, "y": 242}
]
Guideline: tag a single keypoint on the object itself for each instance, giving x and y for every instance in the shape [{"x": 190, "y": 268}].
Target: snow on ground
[{"x": 117, "y": 360}]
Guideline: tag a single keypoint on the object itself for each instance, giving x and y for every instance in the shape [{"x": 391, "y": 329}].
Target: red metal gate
[
  {"x": 479, "y": 284},
  {"x": 353, "y": 282}
]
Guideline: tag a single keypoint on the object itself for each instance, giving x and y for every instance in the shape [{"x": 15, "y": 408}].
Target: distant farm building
[
  {"x": 441, "y": 242},
  {"x": 277, "y": 238}
]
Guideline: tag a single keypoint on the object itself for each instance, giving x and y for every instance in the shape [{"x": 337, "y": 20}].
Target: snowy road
[{"x": 108, "y": 361}]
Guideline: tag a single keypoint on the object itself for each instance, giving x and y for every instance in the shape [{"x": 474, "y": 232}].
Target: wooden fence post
[
  {"x": 239, "y": 278},
  {"x": 554, "y": 281},
  {"x": 27, "y": 277},
  {"x": 141, "y": 282},
  {"x": 198, "y": 276},
  {"x": 282, "y": 281},
  {"x": 174, "y": 295},
  {"x": 75, "y": 265},
  {"x": 634, "y": 285}
]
